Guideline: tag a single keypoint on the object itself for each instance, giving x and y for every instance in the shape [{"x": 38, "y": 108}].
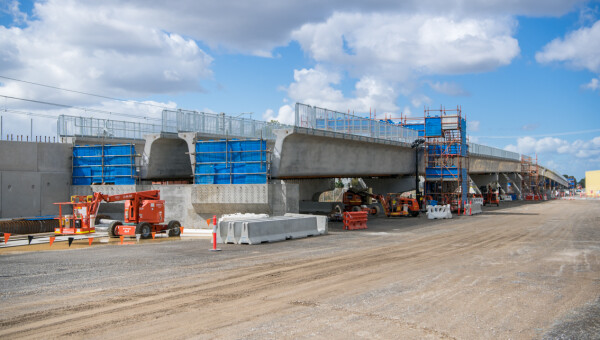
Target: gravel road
[{"x": 520, "y": 271}]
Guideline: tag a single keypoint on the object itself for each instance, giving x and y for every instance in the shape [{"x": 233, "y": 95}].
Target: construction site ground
[{"x": 523, "y": 270}]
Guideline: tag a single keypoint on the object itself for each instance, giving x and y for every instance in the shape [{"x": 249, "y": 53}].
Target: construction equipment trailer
[{"x": 144, "y": 214}]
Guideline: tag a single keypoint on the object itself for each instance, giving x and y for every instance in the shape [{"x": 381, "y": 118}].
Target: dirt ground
[{"x": 521, "y": 271}]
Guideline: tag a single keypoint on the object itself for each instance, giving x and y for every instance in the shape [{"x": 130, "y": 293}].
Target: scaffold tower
[
  {"x": 530, "y": 175},
  {"x": 446, "y": 156}
]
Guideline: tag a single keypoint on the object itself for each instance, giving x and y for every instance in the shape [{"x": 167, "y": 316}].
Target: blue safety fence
[
  {"x": 232, "y": 162},
  {"x": 104, "y": 164}
]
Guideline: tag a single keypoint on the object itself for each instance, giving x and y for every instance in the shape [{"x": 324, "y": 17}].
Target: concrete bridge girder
[
  {"x": 302, "y": 155},
  {"x": 483, "y": 165}
]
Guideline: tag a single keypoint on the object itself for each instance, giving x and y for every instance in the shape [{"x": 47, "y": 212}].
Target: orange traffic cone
[
  {"x": 52, "y": 240},
  {"x": 90, "y": 240},
  {"x": 121, "y": 237},
  {"x": 153, "y": 234},
  {"x": 180, "y": 230},
  {"x": 6, "y": 237}
]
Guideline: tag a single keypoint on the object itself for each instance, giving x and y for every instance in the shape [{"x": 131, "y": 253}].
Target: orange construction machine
[
  {"x": 355, "y": 200},
  {"x": 144, "y": 214},
  {"x": 393, "y": 204},
  {"x": 490, "y": 196},
  {"x": 396, "y": 205}
]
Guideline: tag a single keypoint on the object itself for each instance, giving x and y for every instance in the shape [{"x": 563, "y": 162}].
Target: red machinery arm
[{"x": 147, "y": 195}]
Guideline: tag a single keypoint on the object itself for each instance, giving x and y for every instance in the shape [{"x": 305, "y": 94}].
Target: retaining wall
[{"x": 33, "y": 176}]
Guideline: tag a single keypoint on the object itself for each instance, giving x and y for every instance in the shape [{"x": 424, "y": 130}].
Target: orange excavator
[{"x": 144, "y": 214}]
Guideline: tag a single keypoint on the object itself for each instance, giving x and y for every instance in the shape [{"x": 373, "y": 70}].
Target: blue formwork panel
[
  {"x": 119, "y": 150},
  {"x": 438, "y": 172},
  {"x": 82, "y": 181},
  {"x": 117, "y": 160},
  {"x": 82, "y": 171},
  {"x": 433, "y": 126},
  {"x": 104, "y": 164},
  {"x": 124, "y": 180},
  {"x": 230, "y": 162}
]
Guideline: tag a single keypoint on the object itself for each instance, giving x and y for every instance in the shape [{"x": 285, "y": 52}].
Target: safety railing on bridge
[
  {"x": 307, "y": 116},
  {"x": 485, "y": 150},
  {"x": 218, "y": 124},
  {"x": 323, "y": 119},
  {"x": 71, "y": 126}
]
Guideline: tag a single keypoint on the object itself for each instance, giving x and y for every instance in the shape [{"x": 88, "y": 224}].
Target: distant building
[{"x": 592, "y": 183}]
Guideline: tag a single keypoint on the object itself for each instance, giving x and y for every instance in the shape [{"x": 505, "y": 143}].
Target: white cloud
[
  {"x": 89, "y": 47},
  {"x": 258, "y": 26},
  {"x": 449, "y": 88},
  {"x": 473, "y": 125},
  {"x": 145, "y": 47},
  {"x": 398, "y": 46},
  {"x": 11, "y": 8},
  {"x": 389, "y": 52},
  {"x": 316, "y": 87},
  {"x": 593, "y": 85},
  {"x": 285, "y": 115},
  {"x": 578, "y": 49},
  {"x": 552, "y": 145},
  {"x": 18, "y": 120}
]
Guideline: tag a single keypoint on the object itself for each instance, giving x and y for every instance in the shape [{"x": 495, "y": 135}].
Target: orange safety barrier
[{"x": 355, "y": 220}]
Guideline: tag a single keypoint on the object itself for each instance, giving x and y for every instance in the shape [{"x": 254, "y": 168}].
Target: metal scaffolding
[
  {"x": 530, "y": 172},
  {"x": 446, "y": 156}
]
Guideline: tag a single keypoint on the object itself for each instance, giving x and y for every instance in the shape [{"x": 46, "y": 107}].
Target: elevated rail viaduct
[{"x": 304, "y": 163}]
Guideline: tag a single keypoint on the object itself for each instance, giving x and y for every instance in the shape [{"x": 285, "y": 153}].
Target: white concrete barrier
[
  {"x": 477, "y": 200},
  {"x": 322, "y": 221},
  {"x": 476, "y": 208},
  {"x": 257, "y": 232},
  {"x": 271, "y": 229},
  {"x": 438, "y": 211}
]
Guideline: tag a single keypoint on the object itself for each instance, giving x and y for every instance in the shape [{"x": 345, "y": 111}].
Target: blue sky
[{"x": 526, "y": 73}]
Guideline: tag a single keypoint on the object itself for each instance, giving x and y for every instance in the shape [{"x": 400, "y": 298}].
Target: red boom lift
[{"x": 144, "y": 214}]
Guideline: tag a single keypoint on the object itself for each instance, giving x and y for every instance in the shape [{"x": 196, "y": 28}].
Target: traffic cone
[
  {"x": 71, "y": 240},
  {"x": 121, "y": 237},
  {"x": 153, "y": 235},
  {"x": 90, "y": 240},
  {"x": 180, "y": 230},
  {"x": 51, "y": 240},
  {"x": 6, "y": 237},
  {"x": 29, "y": 238}
]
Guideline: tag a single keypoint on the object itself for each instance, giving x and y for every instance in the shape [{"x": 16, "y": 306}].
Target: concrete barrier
[
  {"x": 472, "y": 209},
  {"x": 438, "y": 211},
  {"x": 476, "y": 208},
  {"x": 277, "y": 229},
  {"x": 257, "y": 232},
  {"x": 254, "y": 230},
  {"x": 221, "y": 231},
  {"x": 234, "y": 231},
  {"x": 322, "y": 221}
]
